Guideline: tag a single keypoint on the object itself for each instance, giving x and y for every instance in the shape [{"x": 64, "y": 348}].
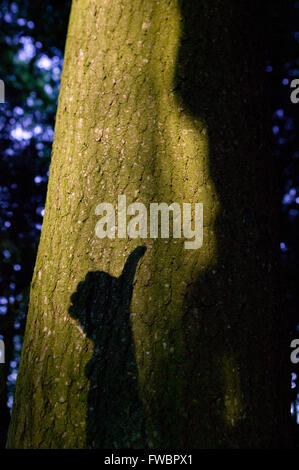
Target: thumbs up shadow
[{"x": 101, "y": 306}]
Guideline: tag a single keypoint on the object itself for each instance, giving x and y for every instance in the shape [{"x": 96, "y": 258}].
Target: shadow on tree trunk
[
  {"x": 101, "y": 305},
  {"x": 234, "y": 324}
]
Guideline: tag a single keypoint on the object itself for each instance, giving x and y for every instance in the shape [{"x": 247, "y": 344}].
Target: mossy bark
[{"x": 160, "y": 101}]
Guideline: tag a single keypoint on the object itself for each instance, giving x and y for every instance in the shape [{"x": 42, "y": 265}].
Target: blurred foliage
[
  {"x": 32, "y": 41},
  {"x": 282, "y": 67}
]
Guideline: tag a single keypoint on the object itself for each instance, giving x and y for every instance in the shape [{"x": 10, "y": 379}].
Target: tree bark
[{"x": 165, "y": 348}]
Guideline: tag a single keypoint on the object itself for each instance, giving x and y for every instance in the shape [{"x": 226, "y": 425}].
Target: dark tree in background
[{"x": 32, "y": 41}]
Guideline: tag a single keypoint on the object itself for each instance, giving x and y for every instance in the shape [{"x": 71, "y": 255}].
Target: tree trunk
[{"x": 161, "y": 101}]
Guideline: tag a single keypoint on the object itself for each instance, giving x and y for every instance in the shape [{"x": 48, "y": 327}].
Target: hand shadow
[{"x": 101, "y": 305}]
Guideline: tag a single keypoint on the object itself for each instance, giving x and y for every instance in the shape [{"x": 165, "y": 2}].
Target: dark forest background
[{"x": 32, "y": 38}]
